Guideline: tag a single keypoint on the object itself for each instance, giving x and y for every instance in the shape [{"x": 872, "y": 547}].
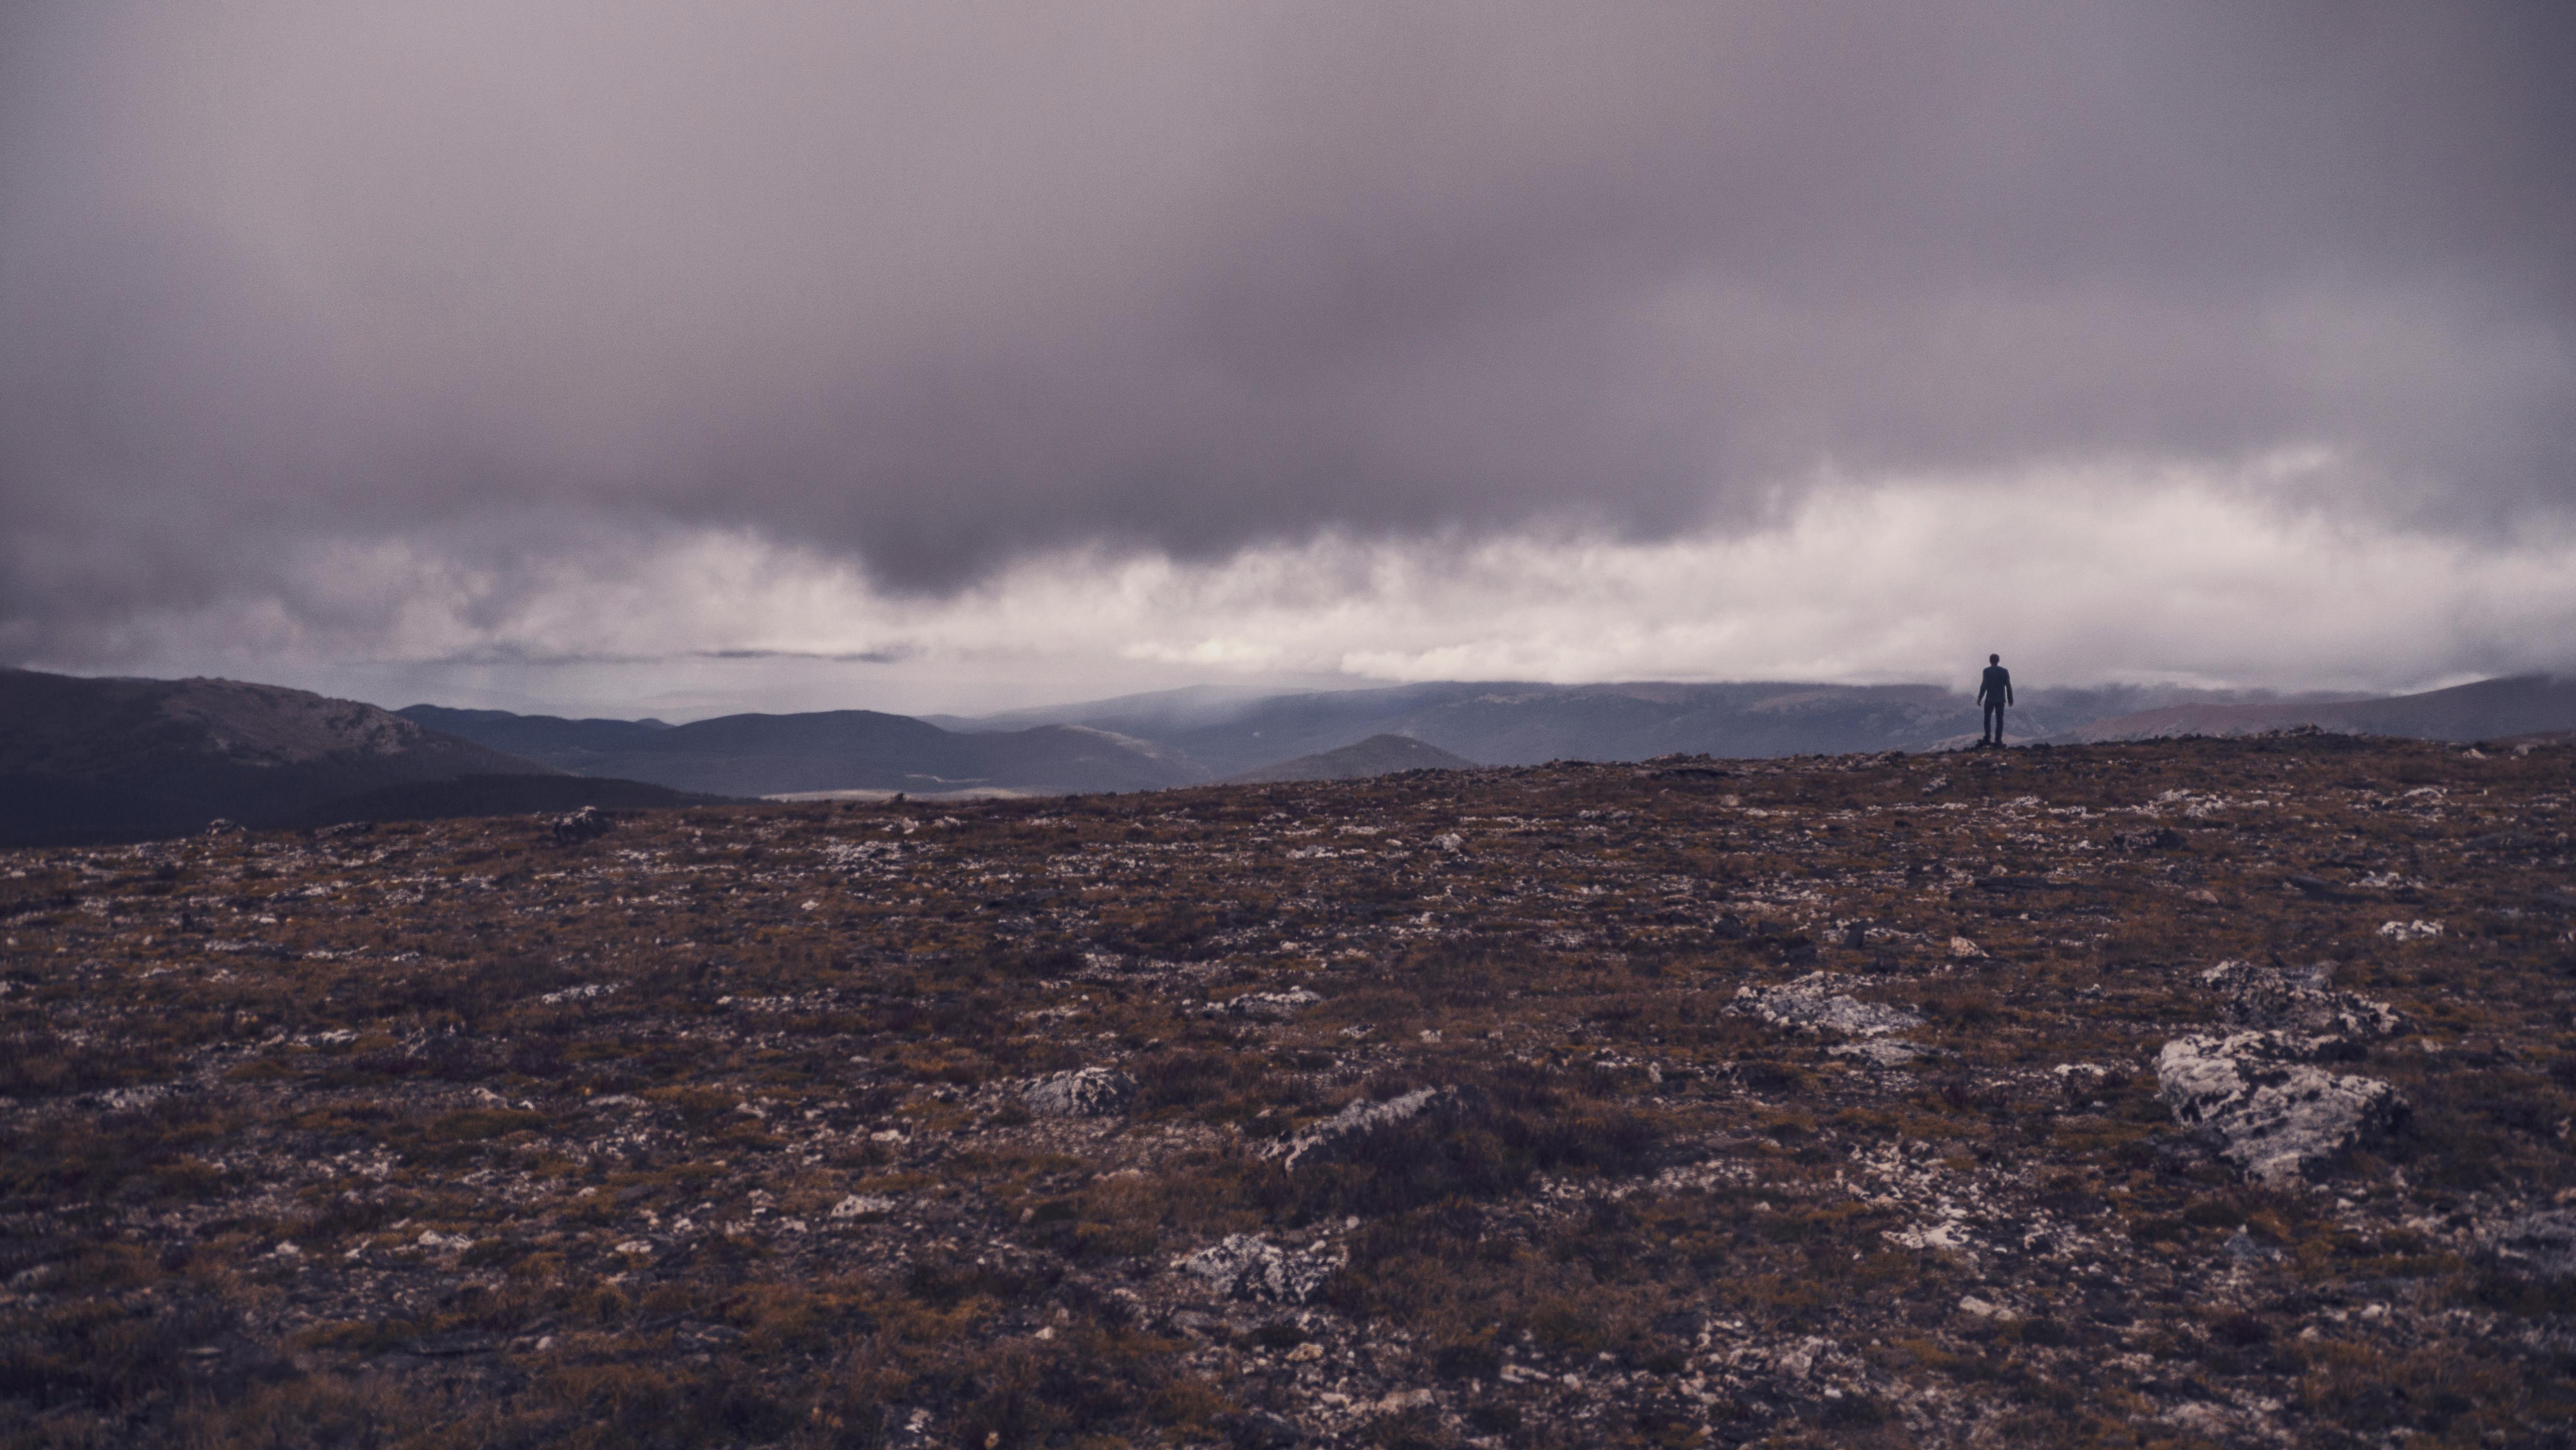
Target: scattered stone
[
  {"x": 2240, "y": 1248},
  {"x": 1268, "y": 1006},
  {"x": 2272, "y": 999},
  {"x": 1090, "y": 1092},
  {"x": 1803, "y": 1004},
  {"x": 2206, "y": 1420},
  {"x": 1449, "y": 841},
  {"x": 1336, "y": 1138},
  {"x": 1965, "y": 950},
  {"x": 1881, "y": 1052},
  {"x": 2536, "y": 1248},
  {"x": 863, "y": 1205},
  {"x": 1248, "y": 1266}
]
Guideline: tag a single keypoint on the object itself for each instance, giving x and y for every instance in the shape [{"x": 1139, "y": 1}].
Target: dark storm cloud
[{"x": 930, "y": 287}]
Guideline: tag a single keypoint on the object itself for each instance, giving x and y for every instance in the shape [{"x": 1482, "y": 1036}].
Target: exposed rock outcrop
[
  {"x": 2293, "y": 1001},
  {"x": 1268, "y": 1006},
  {"x": 1338, "y": 1137},
  {"x": 1247, "y": 1266},
  {"x": 1090, "y": 1092},
  {"x": 1881, "y": 1052},
  {"x": 1805, "y": 1004},
  {"x": 2257, "y": 1092}
]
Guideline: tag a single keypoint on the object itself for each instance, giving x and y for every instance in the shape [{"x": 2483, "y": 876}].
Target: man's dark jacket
[{"x": 1997, "y": 690}]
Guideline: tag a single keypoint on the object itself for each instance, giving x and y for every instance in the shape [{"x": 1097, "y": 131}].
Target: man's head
[{"x": 1994, "y": 659}]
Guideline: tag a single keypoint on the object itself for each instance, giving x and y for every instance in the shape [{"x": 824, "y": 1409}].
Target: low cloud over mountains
[{"x": 429, "y": 333}]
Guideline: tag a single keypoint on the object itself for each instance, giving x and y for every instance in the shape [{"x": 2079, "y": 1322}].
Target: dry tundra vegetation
[{"x": 1430, "y": 1110}]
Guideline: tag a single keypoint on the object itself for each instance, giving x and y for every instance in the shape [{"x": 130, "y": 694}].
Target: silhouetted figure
[{"x": 1994, "y": 692}]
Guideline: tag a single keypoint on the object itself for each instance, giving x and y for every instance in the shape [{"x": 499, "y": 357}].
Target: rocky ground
[{"x": 2179, "y": 1093}]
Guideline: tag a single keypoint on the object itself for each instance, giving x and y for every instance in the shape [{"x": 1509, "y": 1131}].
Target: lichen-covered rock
[
  {"x": 2272, "y": 999},
  {"x": 1247, "y": 1266},
  {"x": 1337, "y": 1137},
  {"x": 1090, "y": 1092},
  {"x": 2271, "y": 1114},
  {"x": 1805, "y": 1004},
  {"x": 1269, "y": 1006}
]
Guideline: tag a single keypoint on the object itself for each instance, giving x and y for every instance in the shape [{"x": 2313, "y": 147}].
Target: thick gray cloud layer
[{"x": 931, "y": 287}]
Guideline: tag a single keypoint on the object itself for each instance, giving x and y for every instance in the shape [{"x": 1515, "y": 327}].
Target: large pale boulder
[{"x": 2270, "y": 1114}]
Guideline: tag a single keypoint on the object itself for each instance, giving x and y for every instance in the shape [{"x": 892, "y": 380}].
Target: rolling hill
[
  {"x": 827, "y": 750},
  {"x": 2485, "y": 710}
]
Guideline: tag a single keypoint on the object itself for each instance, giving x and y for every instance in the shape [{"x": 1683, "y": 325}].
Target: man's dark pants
[{"x": 1994, "y": 726}]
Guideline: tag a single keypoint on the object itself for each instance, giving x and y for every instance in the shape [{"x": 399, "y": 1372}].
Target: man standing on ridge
[{"x": 1995, "y": 692}]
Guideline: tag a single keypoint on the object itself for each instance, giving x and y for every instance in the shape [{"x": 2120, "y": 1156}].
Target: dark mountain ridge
[{"x": 101, "y": 759}]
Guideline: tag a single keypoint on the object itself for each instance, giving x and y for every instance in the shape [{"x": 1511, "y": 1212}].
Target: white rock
[
  {"x": 860, "y": 1204},
  {"x": 1090, "y": 1092},
  {"x": 1270, "y": 1006},
  {"x": 1333, "y": 1139},
  {"x": 1247, "y": 1266},
  {"x": 1803, "y": 1004},
  {"x": 2273, "y": 1116}
]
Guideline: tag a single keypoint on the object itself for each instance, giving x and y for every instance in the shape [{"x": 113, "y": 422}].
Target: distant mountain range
[
  {"x": 1525, "y": 724},
  {"x": 823, "y": 751},
  {"x": 2486, "y": 710},
  {"x": 92, "y": 759}
]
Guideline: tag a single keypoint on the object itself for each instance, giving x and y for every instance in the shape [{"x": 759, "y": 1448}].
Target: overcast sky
[{"x": 635, "y": 358}]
